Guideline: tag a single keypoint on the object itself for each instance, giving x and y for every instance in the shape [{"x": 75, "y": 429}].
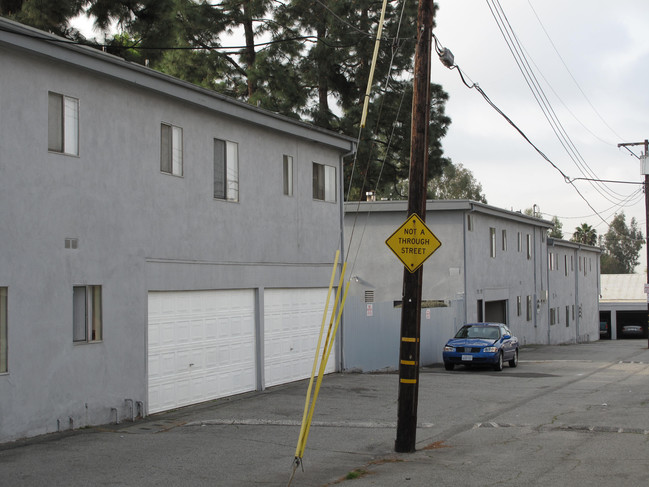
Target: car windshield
[{"x": 491, "y": 332}]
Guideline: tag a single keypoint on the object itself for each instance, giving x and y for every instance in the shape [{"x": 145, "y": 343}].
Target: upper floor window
[
  {"x": 226, "y": 170},
  {"x": 469, "y": 222},
  {"x": 492, "y": 240},
  {"x": 4, "y": 347},
  {"x": 520, "y": 242},
  {"x": 86, "y": 314},
  {"x": 529, "y": 246},
  {"x": 504, "y": 235},
  {"x": 171, "y": 149},
  {"x": 63, "y": 124},
  {"x": 324, "y": 182},
  {"x": 288, "y": 175}
]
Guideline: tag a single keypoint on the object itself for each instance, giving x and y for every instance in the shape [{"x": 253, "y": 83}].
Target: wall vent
[{"x": 369, "y": 296}]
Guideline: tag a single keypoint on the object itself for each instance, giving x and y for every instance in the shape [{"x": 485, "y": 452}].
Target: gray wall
[
  {"x": 461, "y": 274},
  {"x": 138, "y": 229}
]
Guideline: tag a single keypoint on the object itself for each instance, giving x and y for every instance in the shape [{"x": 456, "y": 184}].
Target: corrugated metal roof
[{"x": 623, "y": 287}]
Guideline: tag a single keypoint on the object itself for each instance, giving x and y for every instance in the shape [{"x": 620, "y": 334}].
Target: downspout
[
  {"x": 340, "y": 356},
  {"x": 466, "y": 272},
  {"x": 548, "y": 270},
  {"x": 577, "y": 316}
]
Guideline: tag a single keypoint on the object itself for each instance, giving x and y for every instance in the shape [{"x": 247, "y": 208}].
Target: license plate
[{"x": 467, "y": 358}]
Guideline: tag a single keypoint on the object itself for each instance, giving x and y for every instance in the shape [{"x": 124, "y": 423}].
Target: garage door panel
[
  {"x": 292, "y": 321},
  {"x": 201, "y": 346}
]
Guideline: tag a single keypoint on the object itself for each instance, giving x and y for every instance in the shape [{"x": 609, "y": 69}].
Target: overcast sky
[{"x": 591, "y": 58}]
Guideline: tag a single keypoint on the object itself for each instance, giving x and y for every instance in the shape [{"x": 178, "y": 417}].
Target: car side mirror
[{"x": 507, "y": 337}]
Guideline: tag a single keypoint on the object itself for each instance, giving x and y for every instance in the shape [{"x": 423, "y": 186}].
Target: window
[
  {"x": 529, "y": 246},
  {"x": 529, "y": 308},
  {"x": 565, "y": 264},
  {"x": 469, "y": 223},
  {"x": 567, "y": 316},
  {"x": 492, "y": 238},
  {"x": 288, "y": 175},
  {"x": 504, "y": 234},
  {"x": 171, "y": 149},
  {"x": 4, "y": 363},
  {"x": 86, "y": 315},
  {"x": 324, "y": 182},
  {"x": 520, "y": 242},
  {"x": 552, "y": 317},
  {"x": 63, "y": 124},
  {"x": 550, "y": 260},
  {"x": 519, "y": 305},
  {"x": 226, "y": 170}
]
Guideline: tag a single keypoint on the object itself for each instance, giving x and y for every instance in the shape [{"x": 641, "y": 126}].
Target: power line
[
  {"x": 573, "y": 78},
  {"x": 519, "y": 54}
]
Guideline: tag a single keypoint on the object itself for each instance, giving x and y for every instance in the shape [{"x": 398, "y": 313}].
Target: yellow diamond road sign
[{"x": 413, "y": 243}]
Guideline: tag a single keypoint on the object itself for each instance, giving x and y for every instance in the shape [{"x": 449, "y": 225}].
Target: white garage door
[
  {"x": 201, "y": 346},
  {"x": 292, "y": 320}
]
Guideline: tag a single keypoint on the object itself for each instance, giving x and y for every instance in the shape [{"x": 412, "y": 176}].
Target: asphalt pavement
[{"x": 568, "y": 415}]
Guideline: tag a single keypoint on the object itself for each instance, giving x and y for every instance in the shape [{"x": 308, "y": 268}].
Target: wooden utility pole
[
  {"x": 411, "y": 308},
  {"x": 645, "y": 170}
]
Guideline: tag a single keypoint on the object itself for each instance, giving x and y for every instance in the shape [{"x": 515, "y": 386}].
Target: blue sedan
[{"x": 482, "y": 344}]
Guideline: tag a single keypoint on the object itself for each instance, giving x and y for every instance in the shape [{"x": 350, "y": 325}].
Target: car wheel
[
  {"x": 499, "y": 365},
  {"x": 514, "y": 361},
  {"x": 448, "y": 366}
]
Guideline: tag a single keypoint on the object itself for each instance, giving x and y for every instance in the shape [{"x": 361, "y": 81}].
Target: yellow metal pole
[
  {"x": 374, "y": 57},
  {"x": 315, "y": 360}
]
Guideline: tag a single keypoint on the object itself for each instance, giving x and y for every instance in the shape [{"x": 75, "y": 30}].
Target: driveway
[{"x": 567, "y": 415}]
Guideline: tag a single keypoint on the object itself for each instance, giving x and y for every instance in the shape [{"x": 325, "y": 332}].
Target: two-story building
[
  {"x": 492, "y": 265},
  {"x": 161, "y": 244}
]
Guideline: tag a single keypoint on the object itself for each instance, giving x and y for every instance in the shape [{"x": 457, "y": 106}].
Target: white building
[{"x": 493, "y": 265}]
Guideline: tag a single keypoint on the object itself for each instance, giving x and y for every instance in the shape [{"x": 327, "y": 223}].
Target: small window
[
  {"x": 552, "y": 316},
  {"x": 63, "y": 124},
  {"x": 171, "y": 149},
  {"x": 492, "y": 239},
  {"x": 4, "y": 346},
  {"x": 226, "y": 170},
  {"x": 567, "y": 316},
  {"x": 520, "y": 242},
  {"x": 324, "y": 182},
  {"x": 504, "y": 235},
  {"x": 550, "y": 260},
  {"x": 288, "y": 175},
  {"x": 519, "y": 306},
  {"x": 565, "y": 264},
  {"x": 529, "y": 308},
  {"x": 86, "y": 316},
  {"x": 529, "y": 246},
  {"x": 469, "y": 222}
]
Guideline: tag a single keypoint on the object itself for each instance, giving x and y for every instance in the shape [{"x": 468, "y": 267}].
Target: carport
[{"x": 623, "y": 302}]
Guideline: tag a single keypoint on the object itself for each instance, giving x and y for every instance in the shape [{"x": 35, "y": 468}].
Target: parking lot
[{"x": 567, "y": 415}]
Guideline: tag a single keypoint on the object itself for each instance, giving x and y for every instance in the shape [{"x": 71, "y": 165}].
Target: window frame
[
  {"x": 62, "y": 124},
  {"x": 529, "y": 308},
  {"x": 288, "y": 174},
  {"x": 4, "y": 331},
  {"x": 226, "y": 170},
  {"x": 324, "y": 183},
  {"x": 492, "y": 242},
  {"x": 88, "y": 327},
  {"x": 171, "y": 149}
]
